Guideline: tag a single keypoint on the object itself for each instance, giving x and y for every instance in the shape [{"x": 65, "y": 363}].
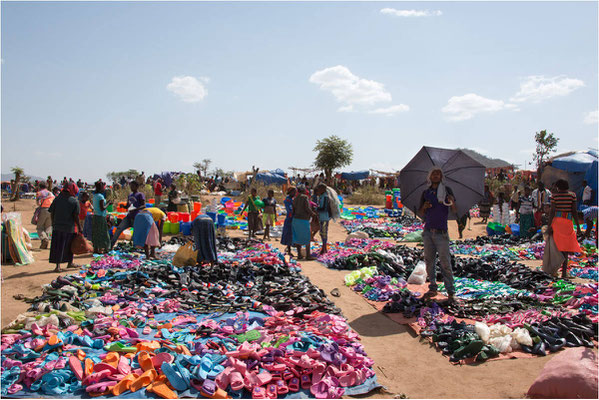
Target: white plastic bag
[
  {"x": 482, "y": 330},
  {"x": 418, "y": 276},
  {"x": 502, "y": 343},
  {"x": 522, "y": 336}
]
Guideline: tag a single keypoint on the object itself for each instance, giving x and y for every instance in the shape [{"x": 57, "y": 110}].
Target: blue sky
[{"x": 89, "y": 88}]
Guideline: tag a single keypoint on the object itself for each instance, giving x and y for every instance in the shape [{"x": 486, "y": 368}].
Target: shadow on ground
[{"x": 376, "y": 324}]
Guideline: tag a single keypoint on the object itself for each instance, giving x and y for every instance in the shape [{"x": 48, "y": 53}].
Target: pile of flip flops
[
  {"x": 391, "y": 228},
  {"x": 251, "y": 325},
  {"x": 517, "y": 308}
]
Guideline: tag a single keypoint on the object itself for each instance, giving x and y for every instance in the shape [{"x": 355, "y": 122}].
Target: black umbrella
[{"x": 464, "y": 175}]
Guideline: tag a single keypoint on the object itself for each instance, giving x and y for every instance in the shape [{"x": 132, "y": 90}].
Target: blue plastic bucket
[
  {"x": 221, "y": 219},
  {"x": 212, "y": 215},
  {"x": 185, "y": 228}
]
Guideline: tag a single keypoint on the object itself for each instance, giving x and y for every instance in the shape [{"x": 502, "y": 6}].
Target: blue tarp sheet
[
  {"x": 270, "y": 178},
  {"x": 355, "y": 175},
  {"x": 583, "y": 163}
]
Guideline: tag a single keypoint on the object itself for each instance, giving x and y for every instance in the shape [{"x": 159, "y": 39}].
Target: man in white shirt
[{"x": 586, "y": 193}]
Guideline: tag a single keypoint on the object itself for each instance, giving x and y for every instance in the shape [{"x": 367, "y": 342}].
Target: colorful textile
[
  {"x": 301, "y": 231},
  {"x": 564, "y": 235},
  {"x": 100, "y": 236}
]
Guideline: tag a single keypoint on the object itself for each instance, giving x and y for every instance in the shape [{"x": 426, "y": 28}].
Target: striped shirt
[
  {"x": 526, "y": 205},
  {"x": 590, "y": 213},
  {"x": 563, "y": 201}
]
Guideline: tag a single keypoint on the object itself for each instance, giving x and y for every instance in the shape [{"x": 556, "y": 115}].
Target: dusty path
[{"x": 403, "y": 363}]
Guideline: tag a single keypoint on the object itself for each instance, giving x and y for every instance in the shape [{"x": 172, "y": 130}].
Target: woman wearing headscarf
[
  {"x": 435, "y": 203},
  {"x": 65, "y": 217},
  {"x": 287, "y": 236},
  {"x": 563, "y": 210},
  {"x": 300, "y": 225},
  {"x": 204, "y": 237}
]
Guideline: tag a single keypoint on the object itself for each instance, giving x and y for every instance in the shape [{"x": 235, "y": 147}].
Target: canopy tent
[
  {"x": 574, "y": 167},
  {"x": 355, "y": 175},
  {"x": 274, "y": 177}
]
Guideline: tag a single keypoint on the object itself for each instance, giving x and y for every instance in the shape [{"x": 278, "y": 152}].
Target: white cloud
[
  {"x": 538, "y": 88},
  {"x": 346, "y": 109},
  {"x": 188, "y": 88},
  {"x": 592, "y": 117},
  {"x": 355, "y": 93},
  {"x": 410, "y": 13},
  {"x": 465, "y": 107},
  {"x": 399, "y": 108},
  {"x": 349, "y": 88}
]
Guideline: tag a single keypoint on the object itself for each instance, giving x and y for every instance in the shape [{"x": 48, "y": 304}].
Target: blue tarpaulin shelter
[
  {"x": 275, "y": 177},
  {"x": 575, "y": 167},
  {"x": 355, "y": 175}
]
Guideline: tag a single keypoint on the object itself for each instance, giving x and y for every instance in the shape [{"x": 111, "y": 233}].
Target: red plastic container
[
  {"x": 173, "y": 217},
  {"x": 183, "y": 217}
]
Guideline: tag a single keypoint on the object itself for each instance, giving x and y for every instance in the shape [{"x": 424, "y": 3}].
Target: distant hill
[{"x": 486, "y": 161}]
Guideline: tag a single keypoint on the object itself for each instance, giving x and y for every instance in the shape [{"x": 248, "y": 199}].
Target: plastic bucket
[
  {"x": 221, "y": 218},
  {"x": 151, "y": 201},
  {"x": 173, "y": 217},
  {"x": 197, "y": 207},
  {"x": 110, "y": 208},
  {"x": 212, "y": 215},
  {"x": 194, "y": 215},
  {"x": 185, "y": 228},
  {"x": 175, "y": 228},
  {"x": 225, "y": 200},
  {"x": 167, "y": 227},
  {"x": 183, "y": 217}
]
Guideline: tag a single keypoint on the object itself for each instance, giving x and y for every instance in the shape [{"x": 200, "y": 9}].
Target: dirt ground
[{"x": 403, "y": 363}]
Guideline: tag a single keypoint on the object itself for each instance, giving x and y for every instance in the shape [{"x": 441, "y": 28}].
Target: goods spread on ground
[{"x": 251, "y": 325}]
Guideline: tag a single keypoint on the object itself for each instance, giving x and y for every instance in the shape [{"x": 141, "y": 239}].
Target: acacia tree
[
  {"x": 18, "y": 171},
  {"x": 116, "y": 176},
  {"x": 546, "y": 144},
  {"x": 333, "y": 153},
  {"x": 203, "y": 166}
]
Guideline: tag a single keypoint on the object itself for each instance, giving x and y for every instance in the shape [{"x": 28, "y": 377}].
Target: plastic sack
[
  {"x": 418, "y": 276},
  {"x": 482, "y": 330},
  {"x": 522, "y": 336},
  {"x": 570, "y": 374},
  {"x": 185, "y": 255},
  {"x": 413, "y": 237},
  {"x": 502, "y": 343},
  {"x": 79, "y": 245}
]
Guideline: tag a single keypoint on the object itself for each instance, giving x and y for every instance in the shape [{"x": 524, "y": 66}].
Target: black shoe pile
[
  {"x": 127, "y": 247},
  {"x": 459, "y": 341},
  {"x": 483, "y": 307},
  {"x": 180, "y": 240},
  {"x": 404, "y": 302},
  {"x": 228, "y": 244},
  {"x": 517, "y": 276},
  {"x": 398, "y": 261},
  {"x": 557, "y": 332},
  {"x": 499, "y": 240}
]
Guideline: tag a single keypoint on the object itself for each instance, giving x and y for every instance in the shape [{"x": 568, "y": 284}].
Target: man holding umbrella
[{"x": 435, "y": 203}]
